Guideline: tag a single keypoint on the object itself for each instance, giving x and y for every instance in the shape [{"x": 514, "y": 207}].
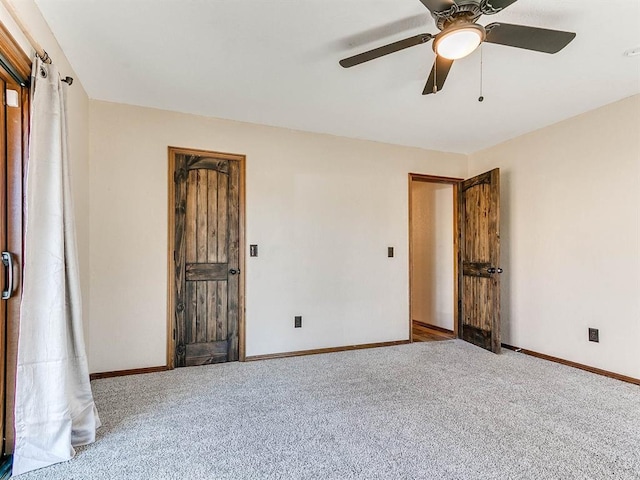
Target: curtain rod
[{"x": 40, "y": 52}]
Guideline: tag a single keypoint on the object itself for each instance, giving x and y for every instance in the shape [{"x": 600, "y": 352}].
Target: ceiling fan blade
[
  {"x": 529, "y": 38},
  {"x": 385, "y": 50},
  {"x": 440, "y": 70},
  {"x": 436, "y": 6},
  {"x": 490, "y": 7}
]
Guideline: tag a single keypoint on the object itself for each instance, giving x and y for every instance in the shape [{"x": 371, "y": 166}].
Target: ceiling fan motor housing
[{"x": 467, "y": 11}]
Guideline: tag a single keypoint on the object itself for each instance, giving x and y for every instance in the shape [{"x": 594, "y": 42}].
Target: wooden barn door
[
  {"x": 207, "y": 259},
  {"x": 479, "y": 272}
]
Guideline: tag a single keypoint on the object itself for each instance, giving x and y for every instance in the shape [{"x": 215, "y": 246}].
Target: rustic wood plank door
[
  {"x": 479, "y": 256},
  {"x": 207, "y": 259}
]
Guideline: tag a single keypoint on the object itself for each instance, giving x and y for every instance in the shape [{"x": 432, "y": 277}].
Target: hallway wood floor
[{"x": 423, "y": 333}]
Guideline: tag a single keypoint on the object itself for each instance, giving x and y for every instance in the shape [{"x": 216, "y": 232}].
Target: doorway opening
[{"x": 433, "y": 266}]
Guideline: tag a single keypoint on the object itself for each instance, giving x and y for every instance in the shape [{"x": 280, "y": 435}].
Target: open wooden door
[{"x": 479, "y": 257}]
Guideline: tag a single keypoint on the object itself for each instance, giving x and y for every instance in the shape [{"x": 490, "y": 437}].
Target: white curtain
[{"x": 54, "y": 404}]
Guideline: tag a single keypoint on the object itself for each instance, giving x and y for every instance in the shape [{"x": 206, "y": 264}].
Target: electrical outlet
[
  {"x": 390, "y": 252},
  {"x": 297, "y": 322},
  {"x": 594, "y": 335}
]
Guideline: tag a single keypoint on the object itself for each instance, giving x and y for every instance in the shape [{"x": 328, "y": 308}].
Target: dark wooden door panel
[
  {"x": 206, "y": 311},
  {"x": 209, "y": 163},
  {"x": 206, "y": 353},
  {"x": 222, "y": 219},
  {"x": 221, "y": 324},
  {"x": 206, "y": 271},
  {"x": 207, "y": 305},
  {"x": 477, "y": 269},
  {"x": 477, "y": 212},
  {"x": 179, "y": 258},
  {"x": 479, "y": 256}
]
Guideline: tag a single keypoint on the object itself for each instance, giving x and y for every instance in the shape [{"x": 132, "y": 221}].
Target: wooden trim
[
  {"x": 418, "y": 177},
  {"x": 459, "y": 264},
  {"x": 410, "y": 189},
  {"x": 133, "y": 371},
  {"x": 456, "y": 256},
  {"x": 4, "y": 166},
  {"x": 10, "y": 50},
  {"x": 569, "y": 363},
  {"x": 241, "y": 159},
  {"x": 455, "y": 182},
  {"x": 171, "y": 210},
  {"x": 434, "y": 327},
  {"x": 206, "y": 153},
  {"x": 316, "y": 351},
  {"x": 17, "y": 158},
  {"x": 17, "y": 154}
]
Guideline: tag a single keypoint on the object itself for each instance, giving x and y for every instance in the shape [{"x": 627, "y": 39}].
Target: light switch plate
[{"x": 11, "y": 98}]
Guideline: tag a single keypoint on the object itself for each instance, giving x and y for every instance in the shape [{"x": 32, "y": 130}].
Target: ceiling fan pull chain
[
  {"x": 481, "y": 98},
  {"x": 435, "y": 75}
]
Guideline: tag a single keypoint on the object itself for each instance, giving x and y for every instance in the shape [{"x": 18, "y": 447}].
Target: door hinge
[
  {"x": 175, "y": 257},
  {"x": 174, "y": 333}
]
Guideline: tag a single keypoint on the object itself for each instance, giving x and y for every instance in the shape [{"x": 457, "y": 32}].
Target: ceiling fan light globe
[{"x": 460, "y": 42}]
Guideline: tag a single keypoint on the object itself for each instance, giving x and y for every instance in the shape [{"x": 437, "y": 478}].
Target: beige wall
[
  {"x": 78, "y": 119},
  {"x": 322, "y": 209},
  {"x": 432, "y": 280},
  {"x": 570, "y": 236}
]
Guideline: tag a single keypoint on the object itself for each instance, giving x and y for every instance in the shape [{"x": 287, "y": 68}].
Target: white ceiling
[{"x": 276, "y": 63}]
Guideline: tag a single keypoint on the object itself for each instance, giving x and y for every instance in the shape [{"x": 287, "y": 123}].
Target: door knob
[{"x": 234, "y": 271}]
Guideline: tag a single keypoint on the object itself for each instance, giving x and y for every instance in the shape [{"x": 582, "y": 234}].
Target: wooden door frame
[
  {"x": 456, "y": 183},
  {"x": 16, "y": 72},
  {"x": 171, "y": 284}
]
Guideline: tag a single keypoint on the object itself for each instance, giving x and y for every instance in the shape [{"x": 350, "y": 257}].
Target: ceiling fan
[{"x": 460, "y": 35}]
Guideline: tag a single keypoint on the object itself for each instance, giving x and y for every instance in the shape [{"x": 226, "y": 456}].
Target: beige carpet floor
[{"x": 440, "y": 410}]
